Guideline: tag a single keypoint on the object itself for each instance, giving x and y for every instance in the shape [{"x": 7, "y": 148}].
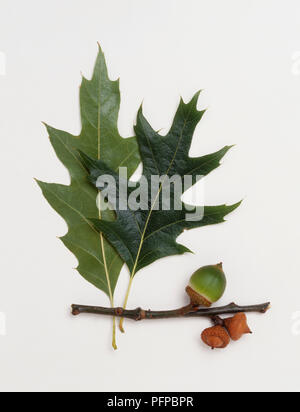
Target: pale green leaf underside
[{"x": 100, "y": 139}]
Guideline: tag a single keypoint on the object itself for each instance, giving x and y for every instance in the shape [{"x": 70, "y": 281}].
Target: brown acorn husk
[
  {"x": 216, "y": 337},
  {"x": 237, "y": 326},
  {"x": 196, "y": 298}
]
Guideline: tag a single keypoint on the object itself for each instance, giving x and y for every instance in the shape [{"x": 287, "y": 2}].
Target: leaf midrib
[
  {"x": 152, "y": 208},
  {"x": 99, "y": 210}
]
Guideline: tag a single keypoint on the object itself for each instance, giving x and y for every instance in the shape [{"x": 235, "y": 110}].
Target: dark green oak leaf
[
  {"x": 99, "y": 263},
  {"x": 143, "y": 236}
]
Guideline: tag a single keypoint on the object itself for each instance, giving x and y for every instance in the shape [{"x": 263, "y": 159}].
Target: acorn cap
[
  {"x": 197, "y": 299},
  {"x": 237, "y": 326},
  {"x": 207, "y": 285},
  {"x": 216, "y": 337}
]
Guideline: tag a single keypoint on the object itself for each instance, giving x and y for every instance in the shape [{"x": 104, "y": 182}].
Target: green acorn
[{"x": 207, "y": 285}]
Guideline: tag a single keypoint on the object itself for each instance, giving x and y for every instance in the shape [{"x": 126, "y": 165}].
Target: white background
[{"x": 245, "y": 55}]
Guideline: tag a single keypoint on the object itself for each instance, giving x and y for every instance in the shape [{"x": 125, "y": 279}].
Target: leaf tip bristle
[
  {"x": 83, "y": 80},
  {"x": 195, "y": 98},
  {"x": 197, "y": 94},
  {"x": 141, "y": 107},
  {"x": 235, "y": 205},
  {"x": 99, "y": 47}
]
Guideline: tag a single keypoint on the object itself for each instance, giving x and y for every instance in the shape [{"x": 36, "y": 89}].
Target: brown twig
[{"x": 186, "y": 312}]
